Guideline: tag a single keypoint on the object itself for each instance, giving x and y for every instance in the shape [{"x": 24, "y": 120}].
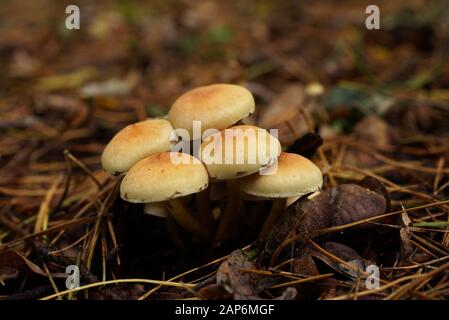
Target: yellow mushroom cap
[
  {"x": 135, "y": 142},
  {"x": 217, "y": 106},
  {"x": 238, "y": 151},
  {"x": 163, "y": 176},
  {"x": 295, "y": 176}
]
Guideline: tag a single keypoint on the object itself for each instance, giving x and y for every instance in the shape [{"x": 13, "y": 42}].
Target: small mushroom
[
  {"x": 234, "y": 153},
  {"x": 296, "y": 176},
  {"x": 216, "y": 106},
  {"x": 135, "y": 142},
  {"x": 158, "y": 178}
]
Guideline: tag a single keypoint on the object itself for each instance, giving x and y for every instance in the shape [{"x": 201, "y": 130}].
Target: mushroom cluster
[{"x": 217, "y": 157}]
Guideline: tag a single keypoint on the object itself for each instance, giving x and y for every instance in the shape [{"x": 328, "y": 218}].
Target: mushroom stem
[
  {"x": 173, "y": 232},
  {"x": 276, "y": 209},
  {"x": 185, "y": 219},
  {"x": 204, "y": 210},
  {"x": 231, "y": 210}
]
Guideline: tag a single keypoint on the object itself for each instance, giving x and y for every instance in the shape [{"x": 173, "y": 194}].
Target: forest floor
[{"x": 369, "y": 107}]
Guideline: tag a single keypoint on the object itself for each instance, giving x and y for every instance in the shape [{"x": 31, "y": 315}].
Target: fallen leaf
[
  {"x": 111, "y": 87},
  {"x": 66, "y": 81},
  {"x": 245, "y": 285},
  {"x": 355, "y": 263},
  {"x": 305, "y": 264},
  {"x": 12, "y": 263},
  {"x": 213, "y": 292},
  {"x": 353, "y": 203},
  {"x": 284, "y": 113},
  {"x": 372, "y": 131},
  {"x": 335, "y": 206},
  {"x": 233, "y": 280},
  {"x": 375, "y": 185}
]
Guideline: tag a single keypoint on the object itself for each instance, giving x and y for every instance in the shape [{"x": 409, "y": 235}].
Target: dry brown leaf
[
  {"x": 245, "y": 285},
  {"x": 340, "y": 205},
  {"x": 306, "y": 264},
  {"x": 374, "y": 132},
  {"x": 284, "y": 113},
  {"x": 353, "y": 203},
  {"x": 12, "y": 263},
  {"x": 213, "y": 292},
  {"x": 355, "y": 263}
]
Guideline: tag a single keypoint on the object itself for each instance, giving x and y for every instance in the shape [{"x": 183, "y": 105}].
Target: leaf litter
[{"x": 370, "y": 109}]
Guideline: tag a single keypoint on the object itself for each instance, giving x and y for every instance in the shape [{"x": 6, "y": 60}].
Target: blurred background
[{"x": 131, "y": 59}]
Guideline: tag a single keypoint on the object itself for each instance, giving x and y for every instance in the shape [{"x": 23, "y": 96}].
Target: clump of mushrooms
[{"x": 145, "y": 153}]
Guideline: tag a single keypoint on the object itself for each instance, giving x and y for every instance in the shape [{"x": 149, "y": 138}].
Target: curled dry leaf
[
  {"x": 353, "y": 203},
  {"x": 340, "y": 205},
  {"x": 12, "y": 263},
  {"x": 375, "y": 185},
  {"x": 354, "y": 262},
  {"x": 213, "y": 292},
  {"x": 245, "y": 285},
  {"x": 284, "y": 113},
  {"x": 372, "y": 131},
  {"x": 232, "y": 279},
  {"x": 305, "y": 264},
  {"x": 375, "y": 132}
]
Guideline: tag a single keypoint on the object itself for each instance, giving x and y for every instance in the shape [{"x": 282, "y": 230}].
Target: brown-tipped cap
[
  {"x": 135, "y": 142},
  {"x": 246, "y": 143},
  {"x": 217, "y": 106},
  {"x": 164, "y": 176},
  {"x": 295, "y": 176}
]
